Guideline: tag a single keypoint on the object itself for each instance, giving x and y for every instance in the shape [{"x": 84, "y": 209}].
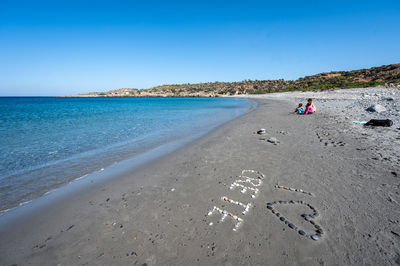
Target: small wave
[
  {"x": 48, "y": 192},
  {"x": 79, "y": 178},
  {"x": 25, "y": 202},
  {"x": 6, "y": 210}
]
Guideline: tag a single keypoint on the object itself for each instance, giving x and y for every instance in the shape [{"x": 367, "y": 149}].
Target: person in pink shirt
[{"x": 310, "y": 107}]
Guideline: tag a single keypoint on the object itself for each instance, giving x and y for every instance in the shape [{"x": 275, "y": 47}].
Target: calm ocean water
[{"x": 46, "y": 142}]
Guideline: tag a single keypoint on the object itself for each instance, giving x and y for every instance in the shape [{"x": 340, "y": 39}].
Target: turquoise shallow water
[{"x": 46, "y": 142}]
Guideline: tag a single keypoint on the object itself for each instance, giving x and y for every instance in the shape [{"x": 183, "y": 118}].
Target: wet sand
[{"x": 159, "y": 214}]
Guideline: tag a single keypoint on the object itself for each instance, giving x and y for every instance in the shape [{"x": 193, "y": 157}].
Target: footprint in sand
[{"x": 329, "y": 141}]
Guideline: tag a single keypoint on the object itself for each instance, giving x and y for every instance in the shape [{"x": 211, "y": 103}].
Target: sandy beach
[{"x": 224, "y": 198}]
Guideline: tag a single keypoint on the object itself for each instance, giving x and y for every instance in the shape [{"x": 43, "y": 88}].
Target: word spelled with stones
[
  {"x": 308, "y": 217},
  {"x": 247, "y": 185}
]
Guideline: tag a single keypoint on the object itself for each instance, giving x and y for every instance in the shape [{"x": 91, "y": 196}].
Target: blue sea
[{"x": 47, "y": 142}]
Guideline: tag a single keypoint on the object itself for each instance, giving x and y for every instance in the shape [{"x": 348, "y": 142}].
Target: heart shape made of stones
[{"x": 308, "y": 217}]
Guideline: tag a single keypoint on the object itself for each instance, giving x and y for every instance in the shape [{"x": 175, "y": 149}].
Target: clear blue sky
[{"x": 65, "y": 47}]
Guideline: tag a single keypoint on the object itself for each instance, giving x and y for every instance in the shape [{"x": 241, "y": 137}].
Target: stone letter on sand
[
  {"x": 238, "y": 221},
  {"x": 246, "y": 207},
  {"x": 244, "y": 188},
  {"x": 251, "y": 183}
]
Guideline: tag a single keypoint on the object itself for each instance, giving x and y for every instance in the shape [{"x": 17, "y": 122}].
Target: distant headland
[{"x": 387, "y": 75}]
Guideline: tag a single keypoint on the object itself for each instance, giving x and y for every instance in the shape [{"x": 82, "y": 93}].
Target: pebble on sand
[{"x": 273, "y": 140}]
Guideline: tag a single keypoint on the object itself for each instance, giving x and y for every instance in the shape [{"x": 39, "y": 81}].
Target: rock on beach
[
  {"x": 273, "y": 140},
  {"x": 376, "y": 108}
]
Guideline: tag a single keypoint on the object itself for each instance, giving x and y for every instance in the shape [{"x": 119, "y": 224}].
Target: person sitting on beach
[
  {"x": 310, "y": 107},
  {"x": 300, "y": 109},
  {"x": 310, "y": 101}
]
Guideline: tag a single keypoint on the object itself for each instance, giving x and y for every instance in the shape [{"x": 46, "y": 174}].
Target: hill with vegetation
[{"x": 388, "y": 75}]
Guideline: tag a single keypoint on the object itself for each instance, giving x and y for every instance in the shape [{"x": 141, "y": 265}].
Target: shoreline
[
  {"x": 99, "y": 176},
  {"x": 90, "y": 160},
  {"x": 159, "y": 213}
]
